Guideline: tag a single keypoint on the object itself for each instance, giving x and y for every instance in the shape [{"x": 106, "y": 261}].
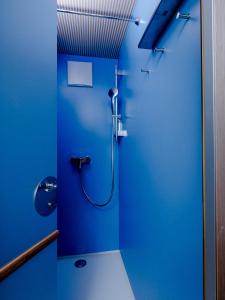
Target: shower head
[{"x": 113, "y": 92}]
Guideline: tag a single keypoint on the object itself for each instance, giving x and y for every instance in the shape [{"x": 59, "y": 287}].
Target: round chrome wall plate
[{"x": 45, "y": 196}]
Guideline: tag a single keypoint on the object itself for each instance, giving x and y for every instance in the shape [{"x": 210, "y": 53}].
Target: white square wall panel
[{"x": 79, "y": 73}]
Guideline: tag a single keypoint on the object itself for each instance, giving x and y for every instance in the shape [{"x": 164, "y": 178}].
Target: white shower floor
[{"x": 103, "y": 278}]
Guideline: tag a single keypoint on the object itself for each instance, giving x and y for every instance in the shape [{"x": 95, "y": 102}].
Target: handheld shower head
[{"x": 113, "y": 93}]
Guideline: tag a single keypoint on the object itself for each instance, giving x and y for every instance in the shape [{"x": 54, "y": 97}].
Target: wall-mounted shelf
[{"x": 158, "y": 23}]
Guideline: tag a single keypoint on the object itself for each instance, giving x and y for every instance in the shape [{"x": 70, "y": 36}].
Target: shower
[
  {"x": 113, "y": 93},
  {"x": 79, "y": 162}
]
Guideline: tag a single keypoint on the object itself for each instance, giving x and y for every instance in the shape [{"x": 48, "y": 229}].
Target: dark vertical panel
[
  {"x": 208, "y": 151},
  {"x": 219, "y": 102}
]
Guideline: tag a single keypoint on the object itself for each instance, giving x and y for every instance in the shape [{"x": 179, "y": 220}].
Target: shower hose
[{"x": 108, "y": 200}]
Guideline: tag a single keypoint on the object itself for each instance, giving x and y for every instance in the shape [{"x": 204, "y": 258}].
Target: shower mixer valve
[{"x": 78, "y": 162}]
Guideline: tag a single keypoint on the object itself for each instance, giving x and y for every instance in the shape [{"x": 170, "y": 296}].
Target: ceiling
[{"x": 92, "y": 36}]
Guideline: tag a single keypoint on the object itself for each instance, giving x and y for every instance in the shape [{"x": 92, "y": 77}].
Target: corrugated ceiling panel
[{"x": 92, "y": 36}]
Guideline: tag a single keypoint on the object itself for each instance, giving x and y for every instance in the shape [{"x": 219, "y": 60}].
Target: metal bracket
[
  {"x": 146, "y": 71},
  {"x": 159, "y": 50},
  {"x": 185, "y": 16}
]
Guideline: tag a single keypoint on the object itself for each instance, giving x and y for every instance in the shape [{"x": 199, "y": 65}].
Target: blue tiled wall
[
  {"x": 161, "y": 232},
  {"x": 84, "y": 128}
]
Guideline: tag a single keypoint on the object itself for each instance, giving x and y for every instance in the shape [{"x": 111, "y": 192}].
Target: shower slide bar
[
  {"x": 136, "y": 21},
  {"x": 16, "y": 263}
]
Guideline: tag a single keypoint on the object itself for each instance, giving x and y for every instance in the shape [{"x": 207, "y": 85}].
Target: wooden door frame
[{"x": 213, "y": 89}]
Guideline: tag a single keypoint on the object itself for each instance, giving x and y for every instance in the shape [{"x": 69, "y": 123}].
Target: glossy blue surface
[
  {"x": 103, "y": 278},
  {"x": 35, "y": 280},
  {"x": 161, "y": 234},
  {"x": 28, "y": 140},
  {"x": 84, "y": 128}
]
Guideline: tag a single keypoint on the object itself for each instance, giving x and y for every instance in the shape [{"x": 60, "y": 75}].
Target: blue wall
[
  {"x": 28, "y": 141},
  {"x": 161, "y": 233},
  {"x": 84, "y": 128}
]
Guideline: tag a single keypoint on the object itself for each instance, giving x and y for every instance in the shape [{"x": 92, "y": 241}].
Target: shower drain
[{"x": 80, "y": 263}]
